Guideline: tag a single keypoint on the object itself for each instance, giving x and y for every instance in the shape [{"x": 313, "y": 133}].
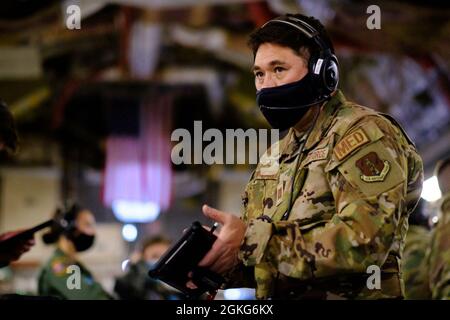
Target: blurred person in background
[
  {"x": 440, "y": 244},
  {"x": 8, "y": 144},
  {"x": 75, "y": 233},
  {"x": 415, "y": 255},
  {"x": 136, "y": 284}
]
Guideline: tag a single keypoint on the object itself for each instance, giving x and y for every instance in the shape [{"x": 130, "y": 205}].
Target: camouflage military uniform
[
  {"x": 415, "y": 263},
  {"x": 54, "y": 277},
  {"x": 358, "y": 178},
  {"x": 440, "y": 253}
]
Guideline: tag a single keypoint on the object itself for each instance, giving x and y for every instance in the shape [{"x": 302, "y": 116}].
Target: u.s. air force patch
[{"x": 373, "y": 169}]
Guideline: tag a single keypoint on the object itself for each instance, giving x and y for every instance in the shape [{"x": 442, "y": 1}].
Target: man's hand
[
  {"x": 17, "y": 248},
  {"x": 224, "y": 253}
]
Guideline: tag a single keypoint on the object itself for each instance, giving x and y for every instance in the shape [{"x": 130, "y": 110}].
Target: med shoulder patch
[{"x": 350, "y": 143}]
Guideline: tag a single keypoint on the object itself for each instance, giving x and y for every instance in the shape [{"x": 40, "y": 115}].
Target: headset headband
[{"x": 304, "y": 27}]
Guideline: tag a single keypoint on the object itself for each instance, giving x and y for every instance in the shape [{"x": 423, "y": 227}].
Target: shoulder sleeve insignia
[
  {"x": 59, "y": 267},
  {"x": 373, "y": 169},
  {"x": 350, "y": 143}
]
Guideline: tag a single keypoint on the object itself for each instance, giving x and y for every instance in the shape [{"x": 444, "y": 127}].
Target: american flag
[{"x": 138, "y": 167}]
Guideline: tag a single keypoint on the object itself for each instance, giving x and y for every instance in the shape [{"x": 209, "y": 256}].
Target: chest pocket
[
  {"x": 314, "y": 203},
  {"x": 260, "y": 196}
]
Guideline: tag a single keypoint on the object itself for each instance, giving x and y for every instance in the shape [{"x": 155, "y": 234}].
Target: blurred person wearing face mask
[
  {"x": 75, "y": 233},
  {"x": 136, "y": 284}
]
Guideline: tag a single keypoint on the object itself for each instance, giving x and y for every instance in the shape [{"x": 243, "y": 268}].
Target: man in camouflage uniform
[
  {"x": 439, "y": 260},
  {"x": 325, "y": 203}
]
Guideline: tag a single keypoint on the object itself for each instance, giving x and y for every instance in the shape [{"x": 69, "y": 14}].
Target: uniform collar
[
  {"x": 293, "y": 139},
  {"x": 59, "y": 252},
  {"x": 327, "y": 114}
]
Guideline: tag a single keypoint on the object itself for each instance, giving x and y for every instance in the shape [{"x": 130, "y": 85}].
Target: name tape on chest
[{"x": 320, "y": 154}]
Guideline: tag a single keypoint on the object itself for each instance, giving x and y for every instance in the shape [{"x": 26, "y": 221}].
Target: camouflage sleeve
[
  {"x": 241, "y": 276},
  {"x": 415, "y": 263},
  {"x": 440, "y": 254},
  {"x": 373, "y": 187}
]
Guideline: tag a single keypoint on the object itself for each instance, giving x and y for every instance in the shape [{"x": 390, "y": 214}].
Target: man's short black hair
[
  {"x": 8, "y": 133},
  {"x": 287, "y": 36}
]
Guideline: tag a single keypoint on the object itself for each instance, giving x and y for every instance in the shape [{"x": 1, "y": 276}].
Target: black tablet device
[{"x": 183, "y": 257}]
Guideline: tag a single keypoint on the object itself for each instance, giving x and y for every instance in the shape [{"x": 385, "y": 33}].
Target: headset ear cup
[
  {"x": 330, "y": 74},
  {"x": 325, "y": 72},
  {"x": 68, "y": 219},
  {"x": 315, "y": 70}
]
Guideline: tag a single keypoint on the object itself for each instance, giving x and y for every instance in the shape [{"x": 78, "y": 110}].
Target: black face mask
[
  {"x": 285, "y": 105},
  {"x": 81, "y": 241}
]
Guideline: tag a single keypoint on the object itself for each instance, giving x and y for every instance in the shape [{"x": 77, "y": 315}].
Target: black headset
[
  {"x": 64, "y": 222},
  {"x": 66, "y": 218},
  {"x": 323, "y": 66}
]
